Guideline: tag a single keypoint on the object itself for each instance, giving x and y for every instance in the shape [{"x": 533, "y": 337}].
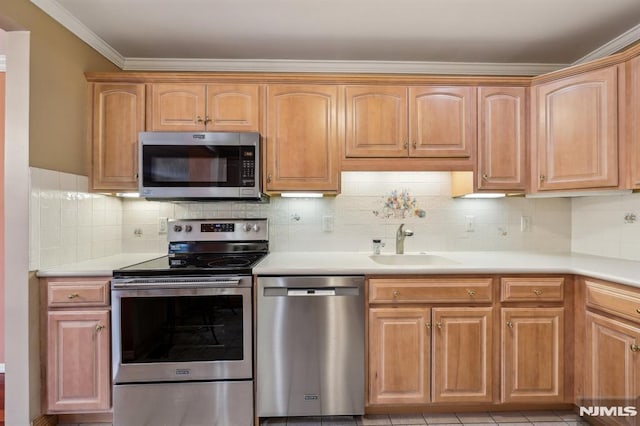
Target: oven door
[
  {"x": 181, "y": 334},
  {"x": 220, "y": 165}
]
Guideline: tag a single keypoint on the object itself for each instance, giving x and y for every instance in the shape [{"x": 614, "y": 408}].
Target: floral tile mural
[{"x": 399, "y": 204}]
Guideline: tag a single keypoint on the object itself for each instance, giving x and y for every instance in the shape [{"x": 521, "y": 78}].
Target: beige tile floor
[{"x": 521, "y": 418}]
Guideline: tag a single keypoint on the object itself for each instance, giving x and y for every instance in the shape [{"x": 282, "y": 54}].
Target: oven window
[{"x": 181, "y": 328}]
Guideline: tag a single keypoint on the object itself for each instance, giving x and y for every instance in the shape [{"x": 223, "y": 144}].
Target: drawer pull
[
  {"x": 73, "y": 296},
  {"x": 470, "y": 292},
  {"x": 635, "y": 348},
  {"x": 396, "y": 293},
  {"x": 99, "y": 327},
  {"x": 537, "y": 291},
  {"x": 510, "y": 324}
]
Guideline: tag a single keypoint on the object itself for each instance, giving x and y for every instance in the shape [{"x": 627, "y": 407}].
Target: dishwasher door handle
[{"x": 311, "y": 292}]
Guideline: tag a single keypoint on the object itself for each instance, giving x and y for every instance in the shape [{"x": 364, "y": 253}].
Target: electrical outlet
[
  {"x": 327, "y": 223},
  {"x": 137, "y": 232},
  {"x": 469, "y": 223},
  {"x": 525, "y": 223},
  {"x": 162, "y": 225}
]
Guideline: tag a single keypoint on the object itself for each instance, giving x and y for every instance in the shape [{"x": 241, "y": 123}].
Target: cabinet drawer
[
  {"x": 618, "y": 301},
  {"x": 430, "y": 290},
  {"x": 78, "y": 293},
  {"x": 523, "y": 289}
]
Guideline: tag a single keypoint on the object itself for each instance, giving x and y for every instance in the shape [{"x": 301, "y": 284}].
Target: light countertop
[
  {"x": 102, "y": 266},
  {"x": 476, "y": 262},
  {"x": 356, "y": 263}
]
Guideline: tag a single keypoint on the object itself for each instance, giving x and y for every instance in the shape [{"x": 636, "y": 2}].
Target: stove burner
[{"x": 235, "y": 261}]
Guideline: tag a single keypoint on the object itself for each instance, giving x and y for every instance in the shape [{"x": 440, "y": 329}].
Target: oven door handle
[{"x": 151, "y": 285}]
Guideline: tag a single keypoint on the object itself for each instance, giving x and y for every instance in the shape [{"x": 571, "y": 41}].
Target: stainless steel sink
[{"x": 412, "y": 259}]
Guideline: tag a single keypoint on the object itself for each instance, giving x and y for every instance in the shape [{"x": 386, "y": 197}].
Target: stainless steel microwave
[{"x": 205, "y": 165}]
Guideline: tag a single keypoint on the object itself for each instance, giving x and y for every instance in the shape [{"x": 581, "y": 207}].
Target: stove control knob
[
  {"x": 177, "y": 228},
  {"x": 187, "y": 228},
  {"x": 246, "y": 227},
  {"x": 256, "y": 227}
]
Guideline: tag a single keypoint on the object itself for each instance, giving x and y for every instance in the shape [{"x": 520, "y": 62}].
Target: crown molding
[
  {"x": 70, "y": 22},
  {"x": 623, "y": 40},
  {"x": 3, "y": 63},
  {"x": 385, "y": 67}
]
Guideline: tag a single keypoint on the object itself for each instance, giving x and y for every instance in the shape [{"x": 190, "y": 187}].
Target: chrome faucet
[{"x": 401, "y": 233}]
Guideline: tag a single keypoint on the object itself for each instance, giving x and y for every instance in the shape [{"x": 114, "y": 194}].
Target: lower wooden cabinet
[
  {"x": 76, "y": 351},
  {"x": 532, "y": 354},
  {"x": 423, "y": 355}
]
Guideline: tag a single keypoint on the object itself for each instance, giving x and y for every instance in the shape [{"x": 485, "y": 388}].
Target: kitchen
[{"x": 556, "y": 223}]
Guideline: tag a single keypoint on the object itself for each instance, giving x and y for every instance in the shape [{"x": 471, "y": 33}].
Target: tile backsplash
[
  {"x": 602, "y": 226},
  {"x": 68, "y": 224}
]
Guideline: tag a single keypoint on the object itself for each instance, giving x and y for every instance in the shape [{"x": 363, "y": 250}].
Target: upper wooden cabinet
[
  {"x": 633, "y": 117},
  {"x": 575, "y": 133},
  {"x": 396, "y": 121},
  {"x": 117, "y": 117},
  {"x": 502, "y": 134},
  {"x": 204, "y": 107},
  {"x": 301, "y": 140}
]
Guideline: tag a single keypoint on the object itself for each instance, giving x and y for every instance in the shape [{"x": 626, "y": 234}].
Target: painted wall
[
  {"x": 2, "y": 109},
  {"x": 58, "y": 97}
]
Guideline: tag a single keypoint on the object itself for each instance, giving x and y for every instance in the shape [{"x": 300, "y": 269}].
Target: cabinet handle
[
  {"x": 537, "y": 291},
  {"x": 406, "y": 145},
  {"x": 485, "y": 177},
  {"x": 207, "y": 119},
  {"x": 439, "y": 325},
  {"x": 395, "y": 293},
  {"x": 635, "y": 348},
  {"x": 470, "y": 292},
  {"x": 542, "y": 178},
  {"x": 415, "y": 145},
  {"x": 428, "y": 325},
  {"x": 510, "y": 324},
  {"x": 269, "y": 178},
  {"x": 99, "y": 327},
  {"x": 73, "y": 296},
  {"x": 199, "y": 119}
]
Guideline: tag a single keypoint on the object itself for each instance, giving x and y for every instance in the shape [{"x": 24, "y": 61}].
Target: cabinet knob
[
  {"x": 73, "y": 296},
  {"x": 537, "y": 291},
  {"x": 428, "y": 325},
  {"x": 510, "y": 324},
  {"x": 485, "y": 177},
  {"x": 99, "y": 327},
  {"x": 638, "y": 310},
  {"x": 395, "y": 293},
  {"x": 470, "y": 292},
  {"x": 406, "y": 145},
  {"x": 415, "y": 145},
  {"x": 269, "y": 178},
  {"x": 542, "y": 178},
  {"x": 635, "y": 348},
  {"x": 439, "y": 325}
]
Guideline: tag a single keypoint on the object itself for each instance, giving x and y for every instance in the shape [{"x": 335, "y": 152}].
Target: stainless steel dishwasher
[{"x": 310, "y": 349}]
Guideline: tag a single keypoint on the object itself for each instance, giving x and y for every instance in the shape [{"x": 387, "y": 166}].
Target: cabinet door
[
  {"x": 442, "y": 121},
  {"x": 501, "y": 138},
  {"x": 462, "y": 354},
  {"x": 532, "y": 354},
  {"x": 399, "y": 355},
  {"x": 302, "y": 138},
  {"x": 233, "y": 107},
  {"x": 634, "y": 122},
  {"x": 577, "y": 132},
  {"x": 612, "y": 364},
  {"x": 376, "y": 121},
  {"x": 118, "y": 116},
  {"x": 78, "y": 361},
  {"x": 177, "y": 107}
]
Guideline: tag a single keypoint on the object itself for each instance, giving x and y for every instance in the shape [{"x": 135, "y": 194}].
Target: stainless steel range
[{"x": 182, "y": 328}]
